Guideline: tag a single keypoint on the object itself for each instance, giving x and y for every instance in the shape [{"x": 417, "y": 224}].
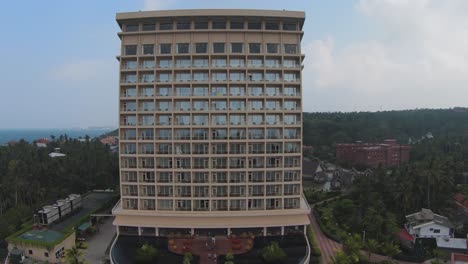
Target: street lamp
[{"x": 363, "y": 236}]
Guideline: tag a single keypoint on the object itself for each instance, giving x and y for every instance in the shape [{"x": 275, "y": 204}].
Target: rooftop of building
[
  {"x": 209, "y": 13},
  {"x": 426, "y": 216},
  {"x": 49, "y": 236}
]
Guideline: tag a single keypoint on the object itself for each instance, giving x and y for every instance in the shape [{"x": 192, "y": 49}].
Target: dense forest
[
  {"x": 323, "y": 130},
  {"x": 29, "y": 178}
]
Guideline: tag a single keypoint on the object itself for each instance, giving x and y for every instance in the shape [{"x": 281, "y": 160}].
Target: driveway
[{"x": 98, "y": 243}]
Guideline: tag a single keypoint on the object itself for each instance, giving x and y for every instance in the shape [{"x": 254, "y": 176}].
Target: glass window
[
  {"x": 236, "y": 105},
  {"x": 236, "y": 91},
  {"x": 200, "y": 91},
  {"x": 165, "y": 25},
  {"x": 236, "y": 76},
  {"x": 201, "y": 47},
  {"x": 147, "y": 77},
  {"x": 147, "y": 64},
  {"x": 272, "y": 76},
  {"x": 255, "y": 48},
  {"x": 200, "y": 76},
  {"x": 272, "y": 91},
  {"x": 219, "y": 47},
  {"x": 200, "y": 105},
  {"x": 290, "y": 77},
  {"x": 236, "y": 62},
  {"x": 183, "y": 48},
  {"x": 237, "y": 25},
  {"x": 272, "y": 63},
  {"x": 130, "y": 64},
  {"x": 183, "y": 63},
  {"x": 183, "y": 25},
  {"x": 290, "y": 48},
  {"x": 219, "y": 25},
  {"x": 164, "y": 77},
  {"x": 200, "y": 62},
  {"x": 272, "y": 26},
  {"x": 165, "y": 63},
  {"x": 183, "y": 77},
  {"x": 201, "y": 25},
  {"x": 130, "y": 49},
  {"x": 254, "y": 62},
  {"x": 148, "y": 49},
  {"x": 219, "y": 120},
  {"x": 290, "y": 63},
  {"x": 237, "y": 47},
  {"x": 218, "y": 91},
  {"x": 255, "y": 25},
  {"x": 256, "y": 91},
  {"x": 218, "y": 76},
  {"x": 290, "y": 91},
  {"x": 131, "y": 28},
  {"x": 149, "y": 27},
  {"x": 218, "y": 62},
  {"x": 237, "y": 119},
  {"x": 183, "y": 91},
  {"x": 272, "y": 48},
  {"x": 255, "y": 119},
  {"x": 289, "y": 26},
  {"x": 164, "y": 91},
  {"x": 165, "y": 48}
]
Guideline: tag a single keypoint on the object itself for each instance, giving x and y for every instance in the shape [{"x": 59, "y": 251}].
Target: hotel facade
[{"x": 210, "y": 132}]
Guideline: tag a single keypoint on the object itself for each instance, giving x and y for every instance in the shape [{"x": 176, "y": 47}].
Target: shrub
[
  {"x": 315, "y": 250},
  {"x": 273, "y": 254},
  {"x": 229, "y": 256},
  {"x": 147, "y": 254},
  {"x": 188, "y": 258}
]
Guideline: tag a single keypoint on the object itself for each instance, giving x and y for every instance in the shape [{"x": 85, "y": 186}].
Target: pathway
[{"x": 98, "y": 243}]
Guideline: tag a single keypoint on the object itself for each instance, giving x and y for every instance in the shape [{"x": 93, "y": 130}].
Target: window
[
  {"x": 165, "y": 63},
  {"x": 255, "y": 48},
  {"x": 272, "y": 76},
  {"x": 218, "y": 47},
  {"x": 218, "y": 62},
  {"x": 219, "y": 25},
  {"x": 255, "y": 62},
  {"x": 289, "y": 26},
  {"x": 201, "y": 47},
  {"x": 200, "y": 76},
  {"x": 201, "y": 25},
  {"x": 131, "y": 28},
  {"x": 130, "y": 64},
  {"x": 200, "y": 63},
  {"x": 183, "y": 48},
  {"x": 165, "y": 48},
  {"x": 272, "y": 48},
  {"x": 236, "y": 62},
  {"x": 30, "y": 252},
  {"x": 148, "y": 49},
  {"x": 149, "y": 27},
  {"x": 236, "y": 91},
  {"x": 218, "y": 76},
  {"x": 272, "y": 63},
  {"x": 200, "y": 91},
  {"x": 237, "y": 25},
  {"x": 46, "y": 254},
  {"x": 219, "y": 91},
  {"x": 290, "y": 63},
  {"x": 183, "y": 63},
  {"x": 165, "y": 25},
  {"x": 183, "y": 25},
  {"x": 436, "y": 231},
  {"x": 290, "y": 48},
  {"x": 237, "y": 47},
  {"x": 130, "y": 49},
  {"x": 147, "y": 64},
  {"x": 272, "y": 26},
  {"x": 255, "y": 25},
  {"x": 236, "y": 76},
  {"x": 290, "y": 77}
]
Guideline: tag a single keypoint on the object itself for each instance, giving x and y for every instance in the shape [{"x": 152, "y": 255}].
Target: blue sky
[{"x": 58, "y": 66}]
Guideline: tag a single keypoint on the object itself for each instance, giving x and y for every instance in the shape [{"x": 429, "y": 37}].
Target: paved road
[
  {"x": 98, "y": 244},
  {"x": 327, "y": 246}
]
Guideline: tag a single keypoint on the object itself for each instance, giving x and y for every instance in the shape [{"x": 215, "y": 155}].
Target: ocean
[{"x": 30, "y": 135}]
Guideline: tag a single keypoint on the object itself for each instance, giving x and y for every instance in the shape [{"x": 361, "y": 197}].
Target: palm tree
[
  {"x": 73, "y": 256},
  {"x": 341, "y": 258},
  {"x": 371, "y": 245},
  {"x": 390, "y": 249}
]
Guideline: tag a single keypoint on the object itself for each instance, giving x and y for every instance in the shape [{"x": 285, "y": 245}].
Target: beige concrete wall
[{"x": 38, "y": 253}]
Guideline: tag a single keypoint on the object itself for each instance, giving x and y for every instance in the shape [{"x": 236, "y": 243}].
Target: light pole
[{"x": 363, "y": 236}]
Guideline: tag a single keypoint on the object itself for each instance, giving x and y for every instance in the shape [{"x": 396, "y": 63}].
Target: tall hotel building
[{"x": 210, "y": 123}]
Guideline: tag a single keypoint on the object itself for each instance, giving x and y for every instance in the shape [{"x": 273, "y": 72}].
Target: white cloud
[
  {"x": 81, "y": 70},
  {"x": 416, "y": 57},
  {"x": 156, "y": 4}
]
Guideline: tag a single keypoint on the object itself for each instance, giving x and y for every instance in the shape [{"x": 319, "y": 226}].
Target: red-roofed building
[
  {"x": 459, "y": 258},
  {"x": 42, "y": 142},
  {"x": 386, "y": 154},
  {"x": 111, "y": 141}
]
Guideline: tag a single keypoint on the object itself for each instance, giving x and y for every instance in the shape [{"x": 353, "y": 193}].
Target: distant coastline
[{"x": 32, "y": 134}]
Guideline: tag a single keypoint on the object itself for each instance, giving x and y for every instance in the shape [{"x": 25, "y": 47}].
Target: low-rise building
[
  {"x": 426, "y": 224},
  {"x": 42, "y": 142}
]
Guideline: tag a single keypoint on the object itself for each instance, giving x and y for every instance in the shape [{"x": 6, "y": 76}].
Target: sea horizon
[{"x": 31, "y": 134}]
